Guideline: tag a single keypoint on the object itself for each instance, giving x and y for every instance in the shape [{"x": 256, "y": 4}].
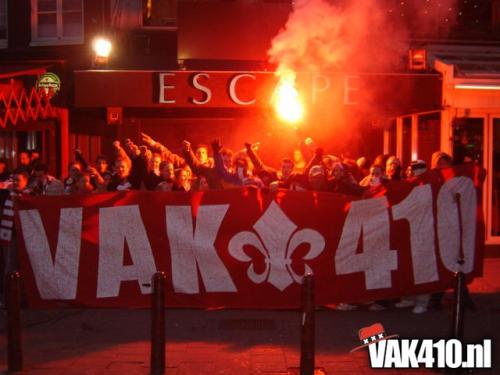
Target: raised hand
[
  {"x": 147, "y": 139},
  {"x": 186, "y": 146},
  {"x": 216, "y": 145}
]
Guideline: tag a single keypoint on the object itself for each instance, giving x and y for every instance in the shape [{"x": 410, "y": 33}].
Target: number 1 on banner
[
  {"x": 417, "y": 209},
  {"x": 368, "y": 218}
]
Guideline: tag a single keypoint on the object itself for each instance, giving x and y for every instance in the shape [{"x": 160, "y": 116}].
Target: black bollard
[
  {"x": 158, "y": 324},
  {"x": 14, "y": 340},
  {"x": 308, "y": 327},
  {"x": 458, "y": 306}
]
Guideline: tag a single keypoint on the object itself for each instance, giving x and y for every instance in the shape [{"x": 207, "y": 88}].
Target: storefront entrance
[
  {"x": 494, "y": 181},
  {"x": 35, "y": 138},
  {"x": 476, "y": 138}
]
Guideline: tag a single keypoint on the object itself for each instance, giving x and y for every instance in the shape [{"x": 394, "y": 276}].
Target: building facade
[{"x": 197, "y": 70}]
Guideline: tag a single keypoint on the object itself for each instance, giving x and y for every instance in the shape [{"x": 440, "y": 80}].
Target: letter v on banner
[
  {"x": 194, "y": 249},
  {"x": 58, "y": 278}
]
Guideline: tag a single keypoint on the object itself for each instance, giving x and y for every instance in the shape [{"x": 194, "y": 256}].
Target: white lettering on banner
[
  {"x": 204, "y": 89},
  {"x": 164, "y": 87},
  {"x": 56, "y": 279},
  {"x": 194, "y": 249},
  {"x": 278, "y": 245},
  {"x": 417, "y": 209},
  {"x": 320, "y": 83},
  {"x": 232, "y": 89},
  {"x": 368, "y": 218},
  {"x": 118, "y": 225},
  {"x": 449, "y": 226}
]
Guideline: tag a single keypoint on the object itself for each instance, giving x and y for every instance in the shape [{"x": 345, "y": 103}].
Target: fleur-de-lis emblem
[{"x": 277, "y": 238}]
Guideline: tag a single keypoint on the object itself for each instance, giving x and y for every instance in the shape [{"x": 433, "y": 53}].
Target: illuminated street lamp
[{"x": 102, "y": 48}]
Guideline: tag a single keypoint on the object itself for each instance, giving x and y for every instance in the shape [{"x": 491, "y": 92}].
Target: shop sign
[{"x": 49, "y": 84}]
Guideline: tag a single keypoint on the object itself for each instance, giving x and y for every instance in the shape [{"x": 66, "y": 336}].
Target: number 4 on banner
[{"x": 368, "y": 218}]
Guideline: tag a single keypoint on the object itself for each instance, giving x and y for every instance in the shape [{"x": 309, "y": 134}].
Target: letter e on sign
[
  {"x": 163, "y": 87},
  {"x": 351, "y": 87}
]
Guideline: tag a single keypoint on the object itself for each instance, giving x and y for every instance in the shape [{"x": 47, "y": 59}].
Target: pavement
[{"x": 266, "y": 342}]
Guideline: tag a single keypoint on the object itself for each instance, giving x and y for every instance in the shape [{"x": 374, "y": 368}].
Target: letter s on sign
[{"x": 204, "y": 89}]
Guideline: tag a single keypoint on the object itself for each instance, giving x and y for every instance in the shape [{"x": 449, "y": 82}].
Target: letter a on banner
[
  {"x": 117, "y": 225},
  {"x": 191, "y": 249},
  {"x": 56, "y": 279}
]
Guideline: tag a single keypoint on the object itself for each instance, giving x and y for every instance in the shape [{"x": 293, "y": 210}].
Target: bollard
[
  {"x": 158, "y": 324},
  {"x": 13, "y": 305},
  {"x": 308, "y": 327},
  {"x": 458, "y": 306}
]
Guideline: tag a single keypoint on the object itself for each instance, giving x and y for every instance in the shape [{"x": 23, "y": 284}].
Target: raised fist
[
  {"x": 216, "y": 145},
  {"x": 186, "y": 145}
]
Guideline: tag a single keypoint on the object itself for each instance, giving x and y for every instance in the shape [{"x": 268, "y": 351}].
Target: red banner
[{"x": 250, "y": 248}]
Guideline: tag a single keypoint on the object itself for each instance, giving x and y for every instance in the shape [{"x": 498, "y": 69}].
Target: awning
[
  {"x": 11, "y": 71},
  {"x": 19, "y": 98},
  {"x": 476, "y": 62}
]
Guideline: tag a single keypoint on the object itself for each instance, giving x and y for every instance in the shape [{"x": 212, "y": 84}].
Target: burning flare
[{"x": 286, "y": 100}]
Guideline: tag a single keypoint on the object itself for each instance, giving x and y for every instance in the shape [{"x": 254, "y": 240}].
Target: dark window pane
[
  {"x": 72, "y": 24},
  {"x": 468, "y": 140},
  {"x": 72, "y": 5},
  {"x": 47, "y": 26},
  {"x": 159, "y": 12},
  {"x": 47, "y": 5},
  {"x": 495, "y": 189}
]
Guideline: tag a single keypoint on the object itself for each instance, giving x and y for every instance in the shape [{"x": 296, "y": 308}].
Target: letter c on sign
[{"x": 232, "y": 89}]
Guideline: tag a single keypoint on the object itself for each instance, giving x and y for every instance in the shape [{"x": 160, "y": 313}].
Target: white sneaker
[
  {"x": 404, "y": 303},
  {"x": 419, "y": 309},
  {"x": 345, "y": 307},
  {"x": 376, "y": 307}
]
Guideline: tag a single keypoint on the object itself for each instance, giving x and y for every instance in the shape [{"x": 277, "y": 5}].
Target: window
[
  {"x": 3, "y": 23},
  {"x": 134, "y": 14},
  {"x": 159, "y": 13},
  {"x": 56, "y": 22}
]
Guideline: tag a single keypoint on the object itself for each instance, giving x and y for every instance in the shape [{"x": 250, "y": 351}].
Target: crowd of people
[{"x": 153, "y": 166}]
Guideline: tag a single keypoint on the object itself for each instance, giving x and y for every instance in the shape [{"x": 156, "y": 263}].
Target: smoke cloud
[
  {"x": 353, "y": 37},
  {"x": 356, "y": 35}
]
